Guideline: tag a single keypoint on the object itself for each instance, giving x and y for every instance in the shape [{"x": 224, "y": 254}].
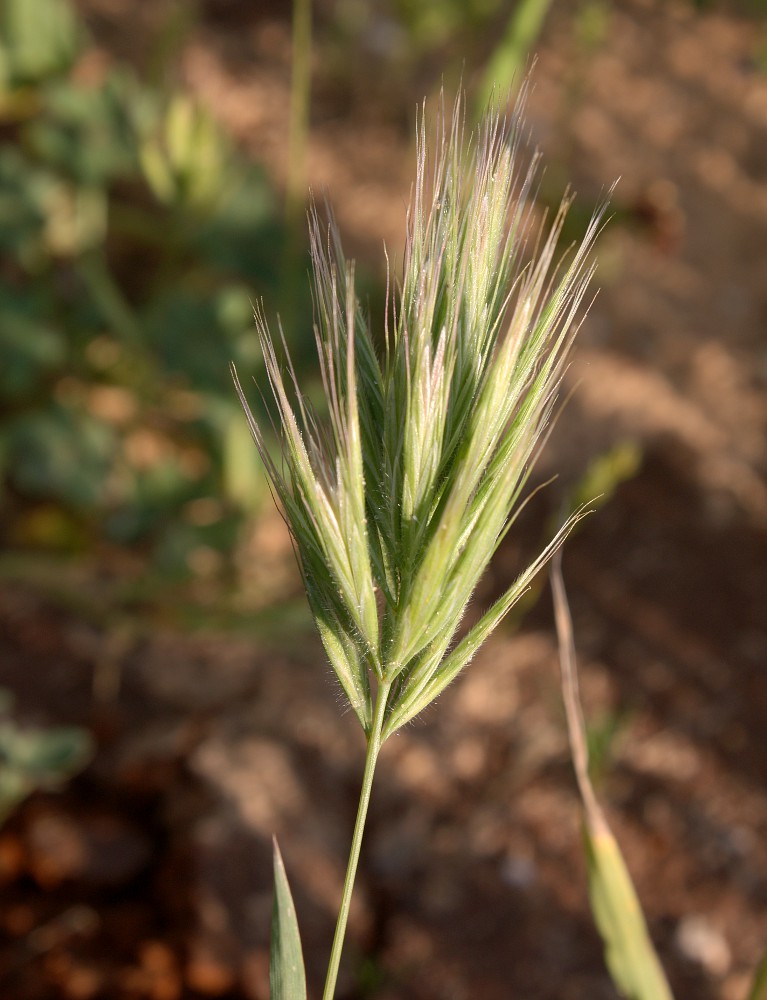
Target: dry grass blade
[{"x": 629, "y": 952}]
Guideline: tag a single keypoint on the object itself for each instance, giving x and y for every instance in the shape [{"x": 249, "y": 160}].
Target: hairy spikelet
[{"x": 399, "y": 500}]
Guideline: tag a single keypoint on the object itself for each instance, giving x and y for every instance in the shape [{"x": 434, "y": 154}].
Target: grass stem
[
  {"x": 371, "y": 758},
  {"x": 300, "y": 90}
]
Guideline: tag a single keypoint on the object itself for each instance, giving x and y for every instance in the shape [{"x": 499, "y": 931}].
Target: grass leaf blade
[
  {"x": 287, "y": 978},
  {"x": 629, "y": 953},
  {"x": 759, "y": 987}
]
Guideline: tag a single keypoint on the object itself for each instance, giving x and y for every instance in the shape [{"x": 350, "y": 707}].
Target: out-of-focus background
[{"x": 165, "y": 705}]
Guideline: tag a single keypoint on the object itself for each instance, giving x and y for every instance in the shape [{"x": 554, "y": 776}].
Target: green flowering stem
[{"x": 374, "y": 747}]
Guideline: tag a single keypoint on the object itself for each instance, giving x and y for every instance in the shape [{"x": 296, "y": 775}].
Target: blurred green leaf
[
  {"x": 150, "y": 502},
  {"x": 286, "y": 964},
  {"x": 76, "y": 220},
  {"x": 46, "y": 755},
  {"x": 198, "y": 332},
  {"x": 62, "y": 453},
  {"x": 38, "y": 39},
  {"x": 759, "y": 988},
  {"x": 43, "y": 215},
  {"x": 605, "y": 474},
  {"x": 29, "y": 346},
  {"x": 592, "y": 23},
  {"x": 200, "y": 548},
  {"x": 36, "y": 758},
  {"x": 602, "y": 734},
  {"x": 90, "y": 133},
  {"x": 184, "y": 160},
  {"x": 109, "y": 301},
  {"x": 49, "y": 526},
  {"x": 432, "y": 23},
  {"x": 24, "y": 194},
  {"x": 104, "y": 291},
  {"x": 505, "y": 69},
  {"x": 244, "y": 480},
  {"x": 243, "y": 237}
]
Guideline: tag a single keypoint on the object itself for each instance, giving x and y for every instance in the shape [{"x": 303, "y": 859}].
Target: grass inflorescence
[{"x": 398, "y": 501}]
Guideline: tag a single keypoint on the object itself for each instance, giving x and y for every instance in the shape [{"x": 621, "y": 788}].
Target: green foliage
[
  {"x": 88, "y": 134},
  {"x": 393, "y": 46},
  {"x": 184, "y": 159},
  {"x": 131, "y": 230},
  {"x": 30, "y": 347},
  {"x": 605, "y": 473},
  {"x": 36, "y": 758},
  {"x": 430, "y": 23},
  {"x": 759, "y": 988},
  {"x": 300, "y": 96},
  {"x": 505, "y": 70},
  {"x": 62, "y": 451},
  {"x": 38, "y": 39},
  {"x": 591, "y": 24},
  {"x": 287, "y": 979}
]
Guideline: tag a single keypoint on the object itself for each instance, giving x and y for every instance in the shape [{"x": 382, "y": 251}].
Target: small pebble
[
  {"x": 703, "y": 944},
  {"x": 519, "y": 871}
]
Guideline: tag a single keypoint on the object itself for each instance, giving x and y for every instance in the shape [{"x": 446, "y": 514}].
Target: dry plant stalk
[{"x": 629, "y": 952}]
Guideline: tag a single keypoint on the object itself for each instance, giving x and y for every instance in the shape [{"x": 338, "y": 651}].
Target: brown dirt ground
[{"x": 149, "y": 878}]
